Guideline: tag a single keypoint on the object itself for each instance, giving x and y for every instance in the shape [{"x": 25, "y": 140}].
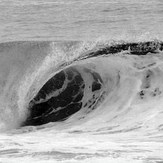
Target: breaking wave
[{"x": 102, "y": 87}]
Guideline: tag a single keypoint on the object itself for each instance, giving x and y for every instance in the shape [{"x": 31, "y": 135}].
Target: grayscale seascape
[{"x": 81, "y": 81}]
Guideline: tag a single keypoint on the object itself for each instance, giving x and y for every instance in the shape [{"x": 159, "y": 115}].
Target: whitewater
[{"x": 81, "y": 81}]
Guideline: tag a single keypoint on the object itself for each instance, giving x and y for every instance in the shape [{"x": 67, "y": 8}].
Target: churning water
[{"x": 81, "y": 81}]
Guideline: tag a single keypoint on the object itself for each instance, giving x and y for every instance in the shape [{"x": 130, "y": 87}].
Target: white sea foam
[{"x": 127, "y": 125}]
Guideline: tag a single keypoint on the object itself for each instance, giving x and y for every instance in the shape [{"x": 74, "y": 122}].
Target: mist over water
[{"x": 113, "y": 49}]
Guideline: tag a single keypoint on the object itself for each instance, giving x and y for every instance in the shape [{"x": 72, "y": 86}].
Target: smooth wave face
[{"x": 82, "y": 101}]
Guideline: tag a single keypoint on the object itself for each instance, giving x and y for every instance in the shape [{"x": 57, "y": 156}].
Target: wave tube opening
[{"x": 69, "y": 91}]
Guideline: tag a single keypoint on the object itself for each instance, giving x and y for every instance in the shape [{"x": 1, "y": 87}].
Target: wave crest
[{"x": 27, "y": 66}]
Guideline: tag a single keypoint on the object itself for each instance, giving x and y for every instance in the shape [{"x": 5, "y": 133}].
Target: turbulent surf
[{"x": 98, "y": 89}]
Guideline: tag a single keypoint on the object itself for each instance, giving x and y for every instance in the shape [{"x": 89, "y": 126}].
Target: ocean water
[
  {"x": 110, "y": 56},
  {"x": 79, "y": 20}
]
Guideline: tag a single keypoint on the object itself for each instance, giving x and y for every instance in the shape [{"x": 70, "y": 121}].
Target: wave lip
[{"x": 134, "y": 48}]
